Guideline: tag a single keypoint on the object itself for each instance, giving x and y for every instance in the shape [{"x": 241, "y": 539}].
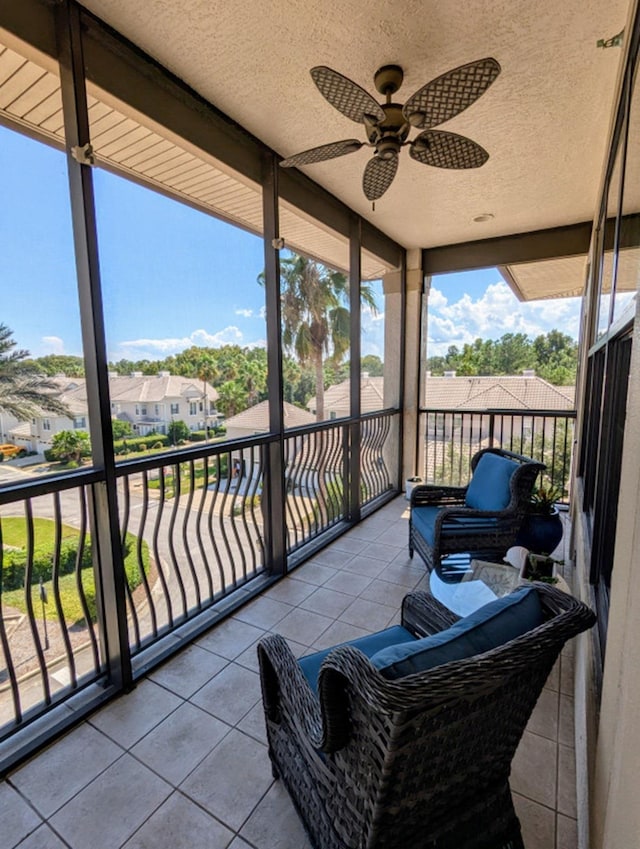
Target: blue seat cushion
[
  {"x": 489, "y": 486},
  {"x": 423, "y": 520},
  {"x": 490, "y": 626},
  {"x": 369, "y": 645}
]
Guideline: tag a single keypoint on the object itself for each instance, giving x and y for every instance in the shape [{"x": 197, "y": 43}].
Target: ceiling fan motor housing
[{"x": 391, "y": 133}]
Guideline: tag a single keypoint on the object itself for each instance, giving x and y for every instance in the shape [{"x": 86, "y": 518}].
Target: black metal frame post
[
  {"x": 355, "y": 282},
  {"x": 403, "y": 360},
  {"x": 273, "y": 493},
  {"x": 108, "y": 560}
]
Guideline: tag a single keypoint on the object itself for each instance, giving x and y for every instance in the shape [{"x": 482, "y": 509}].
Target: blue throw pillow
[
  {"x": 490, "y": 626},
  {"x": 489, "y": 486}
]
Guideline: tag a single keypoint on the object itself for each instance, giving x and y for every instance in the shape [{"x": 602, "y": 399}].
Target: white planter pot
[{"x": 409, "y": 485}]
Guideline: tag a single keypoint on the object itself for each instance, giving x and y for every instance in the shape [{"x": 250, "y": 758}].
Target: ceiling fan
[{"x": 387, "y": 125}]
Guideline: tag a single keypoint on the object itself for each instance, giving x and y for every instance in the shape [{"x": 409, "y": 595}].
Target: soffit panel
[
  {"x": 544, "y": 121},
  {"x": 566, "y": 277},
  {"x": 134, "y": 146}
]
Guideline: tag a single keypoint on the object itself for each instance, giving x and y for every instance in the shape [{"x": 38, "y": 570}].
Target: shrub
[
  {"x": 15, "y": 564},
  {"x": 141, "y": 443},
  {"x": 178, "y": 431},
  {"x": 14, "y": 570}
]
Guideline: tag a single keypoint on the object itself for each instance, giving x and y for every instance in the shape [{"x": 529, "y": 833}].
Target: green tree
[
  {"x": 121, "y": 429},
  {"x": 53, "y": 364},
  {"x": 178, "y": 431},
  {"x": 372, "y": 364},
  {"x": 24, "y": 391},
  {"x": 315, "y": 315},
  {"x": 556, "y": 357},
  {"x": 70, "y": 446},
  {"x": 231, "y": 398},
  {"x": 553, "y": 356}
]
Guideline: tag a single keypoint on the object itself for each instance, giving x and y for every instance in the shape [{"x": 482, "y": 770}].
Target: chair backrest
[
  {"x": 501, "y": 479},
  {"x": 428, "y": 743}
]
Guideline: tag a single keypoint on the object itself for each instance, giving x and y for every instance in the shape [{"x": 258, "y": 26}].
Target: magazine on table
[{"x": 501, "y": 578}]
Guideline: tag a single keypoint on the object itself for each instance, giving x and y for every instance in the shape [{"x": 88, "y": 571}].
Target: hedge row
[
  {"x": 200, "y": 435},
  {"x": 140, "y": 443},
  {"x": 14, "y": 563}
]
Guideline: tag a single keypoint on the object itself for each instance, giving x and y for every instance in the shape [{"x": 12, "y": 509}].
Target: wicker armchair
[
  {"x": 422, "y": 761},
  {"x": 443, "y": 521}
]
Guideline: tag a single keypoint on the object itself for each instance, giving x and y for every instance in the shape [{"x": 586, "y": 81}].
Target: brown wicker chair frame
[
  {"x": 420, "y": 762},
  {"x": 501, "y": 528}
]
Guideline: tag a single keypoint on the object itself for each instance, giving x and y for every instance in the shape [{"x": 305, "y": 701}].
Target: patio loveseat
[
  {"x": 484, "y": 516},
  {"x": 380, "y": 753}
]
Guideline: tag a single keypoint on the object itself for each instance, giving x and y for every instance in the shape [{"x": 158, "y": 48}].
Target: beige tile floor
[{"x": 182, "y": 761}]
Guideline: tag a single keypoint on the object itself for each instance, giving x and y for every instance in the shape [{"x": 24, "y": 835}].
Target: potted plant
[
  {"x": 539, "y": 567},
  {"x": 411, "y": 484},
  {"x": 541, "y": 529}
]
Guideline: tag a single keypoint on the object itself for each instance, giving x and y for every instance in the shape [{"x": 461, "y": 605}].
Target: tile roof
[
  {"x": 143, "y": 389},
  {"x": 499, "y": 392},
  {"x": 256, "y": 418}
]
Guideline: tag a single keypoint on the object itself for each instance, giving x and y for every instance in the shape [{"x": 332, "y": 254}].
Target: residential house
[
  {"x": 255, "y": 420},
  {"x": 149, "y": 403},
  {"x": 337, "y": 399}
]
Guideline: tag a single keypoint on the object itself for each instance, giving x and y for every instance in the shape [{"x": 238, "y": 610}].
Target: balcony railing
[
  {"x": 193, "y": 528},
  {"x": 452, "y": 437}
]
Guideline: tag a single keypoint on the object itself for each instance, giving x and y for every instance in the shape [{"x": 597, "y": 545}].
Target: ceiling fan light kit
[{"x": 387, "y": 125}]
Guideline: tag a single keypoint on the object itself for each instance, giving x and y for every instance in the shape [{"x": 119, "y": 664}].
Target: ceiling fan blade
[
  {"x": 451, "y": 93},
  {"x": 447, "y": 150},
  {"x": 324, "y": 151},
  {"x": 345, "y": 95},
  {"x": 378, "y": 176}
]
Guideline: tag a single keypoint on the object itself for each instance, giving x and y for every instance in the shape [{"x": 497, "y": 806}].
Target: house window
[
  {"x": 193, "y": 408},
  {"x": 143, "y": 411},
  {"x": 175, "y": 409},
  {"x": 157, "y": 409},
  {"x": 46, "y": 424},
  {"x": 80, "y": 422},
  {"x": 137, "y": 410}
]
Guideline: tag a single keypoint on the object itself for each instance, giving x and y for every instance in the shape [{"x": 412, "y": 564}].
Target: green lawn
[
  {"x": 14, "y": 532},
  {"x": 14, "y": 535},
  {"x": 69, "y": 599}
]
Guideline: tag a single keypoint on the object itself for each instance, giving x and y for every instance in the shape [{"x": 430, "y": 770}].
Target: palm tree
[
  {"x": 24, "y": 390},
  {"x": 315, "y": 315}
]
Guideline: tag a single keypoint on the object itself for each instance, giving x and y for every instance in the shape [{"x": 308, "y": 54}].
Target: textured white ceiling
[{"x": 544, "y": 121}]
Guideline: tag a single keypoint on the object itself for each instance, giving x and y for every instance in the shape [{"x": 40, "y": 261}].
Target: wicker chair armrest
[
  {"x": 285, "y": 688},
  {"x": 450, "y": 514},
  {"x": 433, "y": 494},
  {"x": 422, "y": 614},
  {"x": 566, "y": 617}
]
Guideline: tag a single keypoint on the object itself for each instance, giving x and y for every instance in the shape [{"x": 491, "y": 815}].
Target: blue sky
[{"x": 173, "y": 277}]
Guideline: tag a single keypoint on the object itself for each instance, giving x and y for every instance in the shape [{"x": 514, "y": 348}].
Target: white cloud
[
  {"x": 436, "y": 299},
  {"x": 496, "y": 312},
  {"x": 244, "y": 313},
  {"x": 372, "y": 332},
  {"x": 138, "y": 349},
  {"x": 52, "y": 345}
]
